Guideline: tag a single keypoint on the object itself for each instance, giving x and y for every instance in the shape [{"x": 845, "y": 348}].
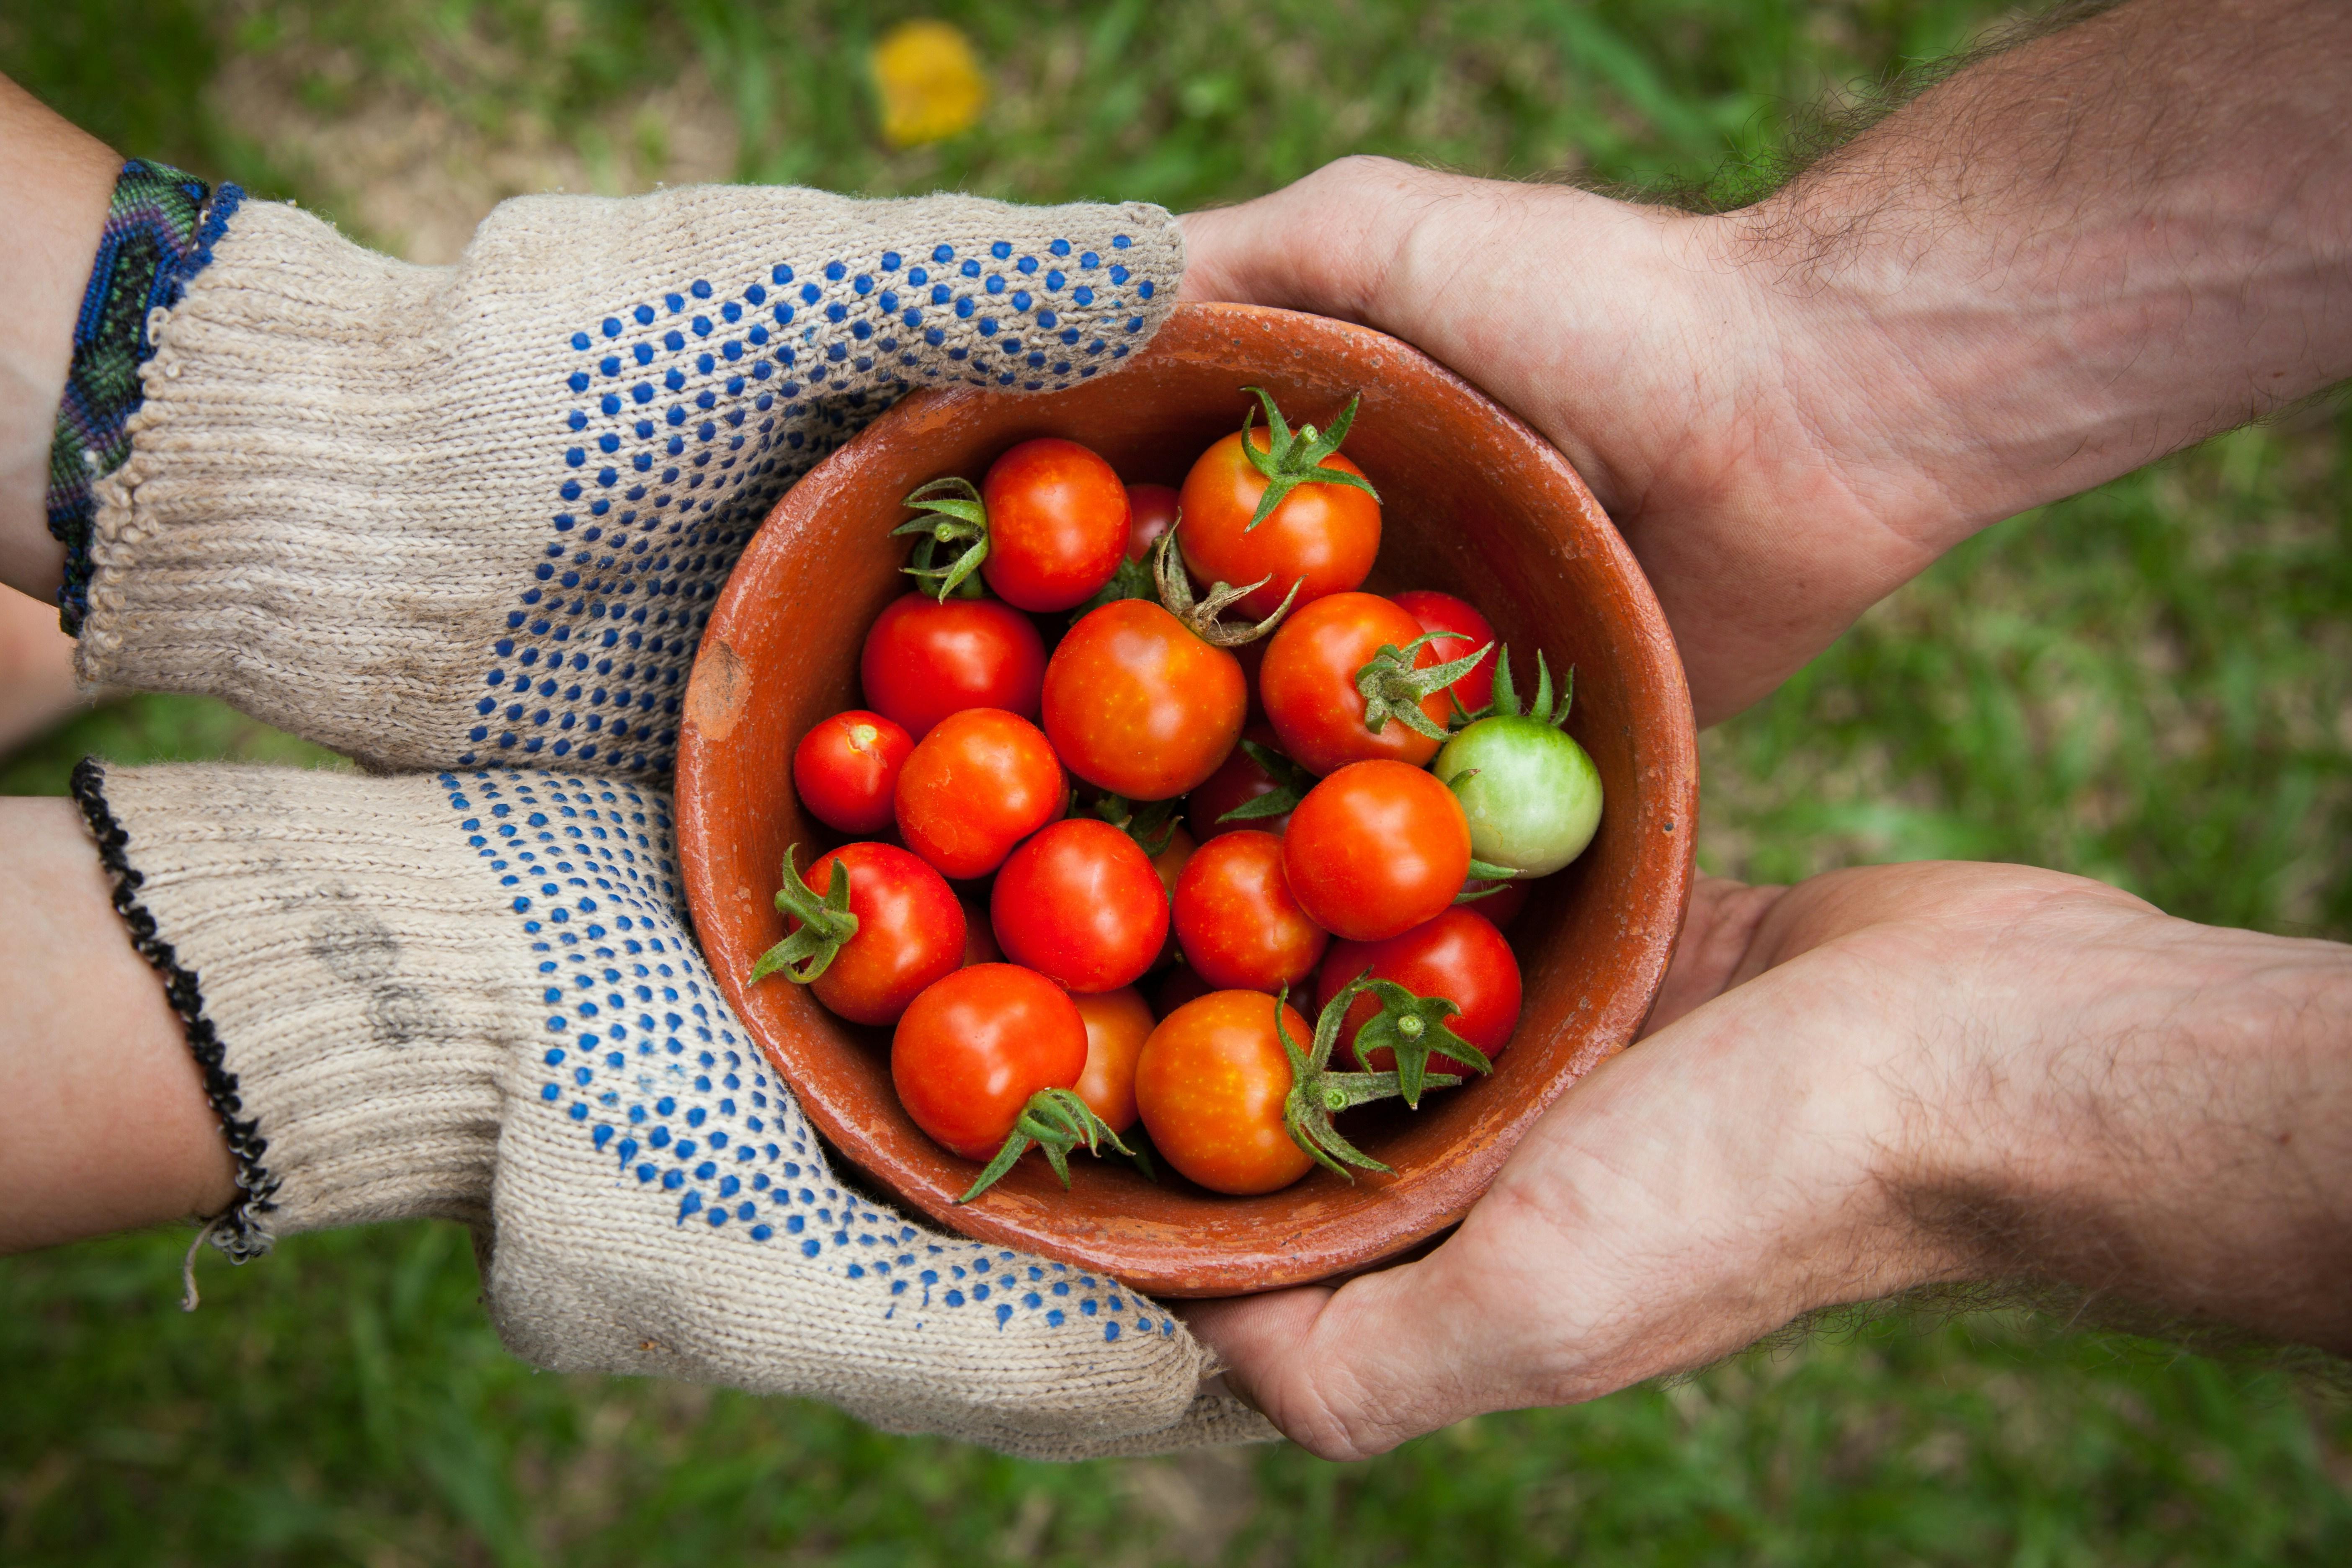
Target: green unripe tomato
[{"x": 1535, "y": 800}]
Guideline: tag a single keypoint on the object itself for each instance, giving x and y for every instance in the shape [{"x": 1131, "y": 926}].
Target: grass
[{"x": 2152, "y": 684}]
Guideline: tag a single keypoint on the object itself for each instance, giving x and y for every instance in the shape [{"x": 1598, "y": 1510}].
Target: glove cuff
[{"x": 323, "y": 949}]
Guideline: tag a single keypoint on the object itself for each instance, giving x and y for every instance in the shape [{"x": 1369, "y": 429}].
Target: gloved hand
[
  {"x": 470, "y": 996},
  {"x": 433, "y": 516},
  {"x": 443, "y": 516}
]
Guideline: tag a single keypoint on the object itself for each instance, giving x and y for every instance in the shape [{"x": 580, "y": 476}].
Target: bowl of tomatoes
[{"x": 977, "y": 834}]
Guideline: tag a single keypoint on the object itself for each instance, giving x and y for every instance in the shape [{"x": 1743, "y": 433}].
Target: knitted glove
[
  {"x": 471, "y": 995},
  {"x": 447, "y": 515}
]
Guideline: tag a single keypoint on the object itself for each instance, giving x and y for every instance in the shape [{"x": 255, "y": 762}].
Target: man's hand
[
  {"x": 1611, "y": 332},
  {"x": 1877, "y": 1079},
  {"x": 2083, "y": 253}
]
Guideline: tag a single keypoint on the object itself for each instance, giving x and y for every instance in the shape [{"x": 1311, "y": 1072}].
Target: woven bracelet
[{"x": 161, "y": 226}]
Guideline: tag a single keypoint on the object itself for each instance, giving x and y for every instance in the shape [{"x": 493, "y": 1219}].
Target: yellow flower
[{"x": 929, "y": 80}]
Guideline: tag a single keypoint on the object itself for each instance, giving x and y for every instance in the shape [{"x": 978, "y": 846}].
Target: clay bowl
[{"x": 1475, "y": 503}]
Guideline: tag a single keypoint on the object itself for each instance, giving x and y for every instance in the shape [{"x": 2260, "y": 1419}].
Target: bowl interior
[{"x": 1473, "y": 503}]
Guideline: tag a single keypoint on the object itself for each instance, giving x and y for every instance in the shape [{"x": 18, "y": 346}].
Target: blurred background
[{"x": 2150, "y": 684}]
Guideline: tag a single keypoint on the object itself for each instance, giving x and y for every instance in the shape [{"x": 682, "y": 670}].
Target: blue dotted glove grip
[{"x": 438, "y": 517}]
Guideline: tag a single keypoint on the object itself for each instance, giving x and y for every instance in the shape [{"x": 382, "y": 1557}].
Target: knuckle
[{"x": 1329, "y": 1410}]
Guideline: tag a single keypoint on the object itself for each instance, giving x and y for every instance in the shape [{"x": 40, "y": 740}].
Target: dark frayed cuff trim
[{"x": 241, "y": 1232}]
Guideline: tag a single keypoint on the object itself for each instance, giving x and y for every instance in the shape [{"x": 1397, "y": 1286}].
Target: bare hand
[{"x": 1877, "y": 1080}]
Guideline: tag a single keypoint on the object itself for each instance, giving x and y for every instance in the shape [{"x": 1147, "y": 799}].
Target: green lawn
[{"x": 2152, "y": 684}]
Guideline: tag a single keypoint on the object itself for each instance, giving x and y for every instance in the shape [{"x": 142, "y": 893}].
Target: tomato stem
[
  {"x": 1176, "y": 598},
  {"x": 1056, "y": 1121},
  {"x": 825, "y": 925},
  {"x": 1493, "y": 884},
  {"x": 956, "y": 515},
  {"x": 1290, "y": 460},
  {"x": 1392, "y": 688},
  {"x": 1317, "y": 1092}
]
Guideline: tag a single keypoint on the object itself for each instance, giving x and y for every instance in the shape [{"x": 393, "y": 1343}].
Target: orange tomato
[
  {"x": 1135, "y": 704},
  {"x": 1322, "y": 536},
  {"x": 1209, "y": 1086}
]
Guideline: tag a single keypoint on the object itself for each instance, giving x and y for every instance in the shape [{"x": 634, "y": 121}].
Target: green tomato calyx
[
  {"x": 1295, "y": 458},
  {"x": 954, "y": 515},
  {"x": 1316, "y": 1093},
  {"x": 1505, "y": 703},
  {"x": 1495, "y": 879},
  {"x": 1056, "y": 1121},
  {"x": 1201, "y": 620},
  {"x": 1133, "y": 580},
  {"x": 1415, "y": 1029},
  {"x": 1392, "y": 688},
  {"x": 825, "y": 925}
]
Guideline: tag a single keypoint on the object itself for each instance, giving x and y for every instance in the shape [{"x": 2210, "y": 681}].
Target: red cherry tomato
[
  {"x": 1081, "y": 904},
  {"x": 1240, "y": 928},
  {"x": 1138, "y": 705},
  {"x": 1058, "y": 525},
  {"x": 1209, "y": 1086},
  {"x": 1471, "y": 631},
  {"x": 1237, "y": 781},
  {"x": 1117, "y": 1022},
  {"x": 1150, "y": 512},
  {"x": 978, "y": 783},
  {"x": 1309, "y": 684},
  {"x": 969, "y": 1052},
  {"x": 1323, "y": 537},
  {"x": 1458, "y": 956},
  {"x": 924, "y": 660},
  {"x": 845, "y": 771},
  {"x": 911, "y": 932},
  {"x": 1375, "y": 849}
]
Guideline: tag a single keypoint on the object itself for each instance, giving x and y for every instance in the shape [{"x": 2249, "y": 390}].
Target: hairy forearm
[
  {"x": 2164, "y": 1116},
  {"x": 2072, "y": 257},
  {"x": 53, "y": 185}
]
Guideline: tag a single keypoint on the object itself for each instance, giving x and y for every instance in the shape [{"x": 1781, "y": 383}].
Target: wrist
[
  {"x": 2085, "y": 252},
  {"x": 54, "y": 184},
  {"x": 2146, "y": 1108}
]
